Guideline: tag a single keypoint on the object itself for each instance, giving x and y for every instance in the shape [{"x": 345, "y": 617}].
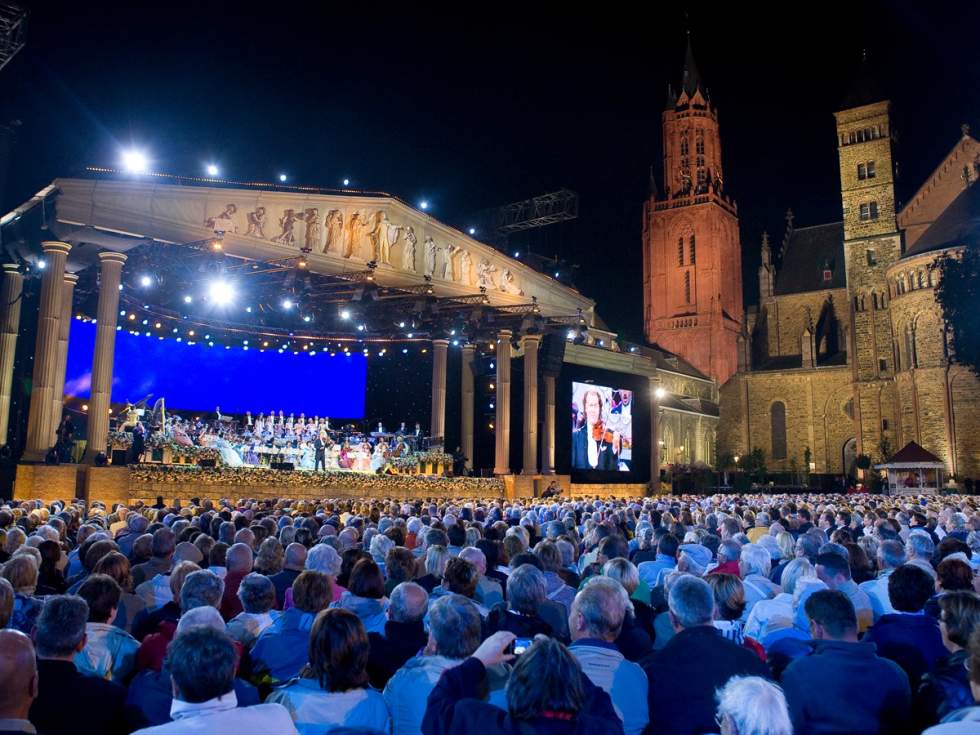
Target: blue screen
[{"x": 200, "y": 378}]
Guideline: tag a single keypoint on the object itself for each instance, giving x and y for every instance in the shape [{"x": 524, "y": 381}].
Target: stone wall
[
  {"x": 49, "y": 482},
  {"x": 788, "y": 315}
]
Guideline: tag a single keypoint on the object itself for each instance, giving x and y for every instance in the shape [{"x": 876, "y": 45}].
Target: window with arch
[
  {"x": 777, "y": 426},
  {"x": 684, "y": 145},
  {"x": 680, "y": 251},
  {"x": 693, "y": 258},
  {"x": 911, "y": 359},
  {"x": 687, "y": 287},
  {"x": 874, "y": 301},
  {"x": 699, "y": 142},
  {"x": 920, "y": 280}
]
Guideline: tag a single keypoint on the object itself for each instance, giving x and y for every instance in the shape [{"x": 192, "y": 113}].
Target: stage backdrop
[{"x": 200, "y": 378}]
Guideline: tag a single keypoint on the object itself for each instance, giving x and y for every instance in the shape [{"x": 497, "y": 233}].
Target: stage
[{"x": 145, "y": 482}]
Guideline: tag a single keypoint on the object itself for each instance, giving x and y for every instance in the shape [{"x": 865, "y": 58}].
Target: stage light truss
[
  {"x": 13, "y": 31},
  {"x": 539, "y": 211}
]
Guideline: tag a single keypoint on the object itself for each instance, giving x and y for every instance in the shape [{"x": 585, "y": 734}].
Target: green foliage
[
  {"x": 754, "y": 465},
  {"x": 958, "y": 292}
]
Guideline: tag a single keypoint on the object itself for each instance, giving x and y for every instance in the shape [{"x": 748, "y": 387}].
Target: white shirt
[
  {"x": 768, "y": 616},
  {"x": 223, "y": 716}
]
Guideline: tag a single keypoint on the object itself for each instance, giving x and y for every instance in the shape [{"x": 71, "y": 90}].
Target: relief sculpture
[
  {"x": 286, "y": 222},
  {"x": 223, "y": 222},
  {"x": 256, "y": 223},
  {"x": 335, "y": 231},
  {"x": 311, "y": 242}
]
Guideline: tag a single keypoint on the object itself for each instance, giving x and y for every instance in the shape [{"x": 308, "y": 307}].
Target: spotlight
[
  {"x": 85, "y": 407},
  {"x": 132, "y": 317},
  {"x": 571, "y": 334},
  {"x": 188, "y": 299},
  {"x": 301, "y": 263},
  {"x": 287, "y": 304},
  {"x": 517, "y": 254},
  {"x": 190, "y": 333},
  {"x": 660, "y": 393},
  {"x": 410, "y": 335},
  {"x": 248, "y": 309},
  {"x": 120, "y": 285},
  {"x": 345, "y": 314},
  {"x": 212, "y": 170},
  {"x": 472, "y": 230},
  {"x": 401, "y": 325},
  {"x": 282, "y": 178},
  {"x": 221, "y": 293},
  {"x": 360, "y": 327},
  {"x": 146, "y": 281},
  {"x": 134, "y": 162},
  {"x": 346, "y": 182},
  {"x": 423, "y": 204},
  {"x": 216, "y": 246},
  {"x": 42, "y": 264},
  {"x": 306, "y": 318},
  {"x": 404, "y": 350},
  {"x": 556, "y": 274}
]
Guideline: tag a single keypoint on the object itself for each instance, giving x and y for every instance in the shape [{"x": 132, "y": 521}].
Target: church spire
[{"x": 691, "y": 78}]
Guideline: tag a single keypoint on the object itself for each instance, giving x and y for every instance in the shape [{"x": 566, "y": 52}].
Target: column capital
[
  {"x": 11, "y": 268},
  {"x": 533, "y": 338},
  {"x": 71, "y": 278},
  {"x": 469, "y": 346},
  {"x": 443, "y": 342},
  {"x": 112, "y": 256},
  {"x": 55, "y": 246},
  {"x": 505, "y": 334}
]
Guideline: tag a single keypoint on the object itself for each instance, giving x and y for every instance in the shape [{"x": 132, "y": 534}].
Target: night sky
[{"x": 478, "y": 106}]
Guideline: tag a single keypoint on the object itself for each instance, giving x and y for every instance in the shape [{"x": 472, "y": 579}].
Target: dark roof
[
  {"x": 694, "y": 405},
  {"x": 912, "y": 452},
  {"x": 959, "y": 224},
  {"x": 865, "y": 88},
  {"x": 690, "y": 79},
  {"x": 809, "y": 252}
]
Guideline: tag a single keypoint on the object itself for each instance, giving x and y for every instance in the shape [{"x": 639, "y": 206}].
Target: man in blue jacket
[{"x": 843, "y": 686}]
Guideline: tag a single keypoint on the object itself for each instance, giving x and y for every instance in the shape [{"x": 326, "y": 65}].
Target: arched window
[
  {"x": 693, "y": 259},
  {"x": 920, "y": 279},
  {"x": 910, "y": 356},
  {"x": 680, "y": 251},
  {"x": 777, "y": 425},
  {"x": 687, "y": 287}
]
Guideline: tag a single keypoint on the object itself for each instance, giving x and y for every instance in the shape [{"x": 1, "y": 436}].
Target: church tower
[{"x": 692, "y": 262}]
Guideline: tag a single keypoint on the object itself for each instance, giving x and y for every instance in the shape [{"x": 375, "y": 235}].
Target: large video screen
[
  {"x": 201, "y": 378},
  {"x": 602, "y": 428}
]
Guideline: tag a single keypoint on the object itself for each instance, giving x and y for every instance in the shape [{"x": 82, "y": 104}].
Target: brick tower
[{"x": 692, "y": 262}]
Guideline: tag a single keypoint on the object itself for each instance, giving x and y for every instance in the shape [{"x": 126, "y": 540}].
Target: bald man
[{"x": 18, "y": 681}]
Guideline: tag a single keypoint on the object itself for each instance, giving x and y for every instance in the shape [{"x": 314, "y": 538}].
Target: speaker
[
  {"x": 552, "y": 354},
  {"x": 282, "y": 465},
  {"x": 119, "y": 457}
]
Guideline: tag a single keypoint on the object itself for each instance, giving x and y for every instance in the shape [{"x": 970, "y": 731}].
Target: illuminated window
[
  {"x": 680, "y": 251},
  {"x": 693, "y": 257},
  {"x": 687, "y": 287}
]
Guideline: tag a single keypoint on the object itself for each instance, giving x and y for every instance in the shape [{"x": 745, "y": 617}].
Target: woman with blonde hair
[{"x": 21, "y": 572}]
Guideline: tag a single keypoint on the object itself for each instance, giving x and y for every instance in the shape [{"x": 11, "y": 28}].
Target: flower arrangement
[{"x": 120, "y": 439}]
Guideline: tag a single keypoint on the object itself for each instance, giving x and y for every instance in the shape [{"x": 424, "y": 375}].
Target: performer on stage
[
  {"x": 593, "y": 445},
  {"x": 320, "y": 448}
]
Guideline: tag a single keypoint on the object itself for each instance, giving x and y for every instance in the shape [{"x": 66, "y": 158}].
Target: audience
[
  {"x": 109, "y": 652},
  {"x": 750, "y": 705},
  {"x": 404, "y": 634},
  {"x": 18, "y": 682}
]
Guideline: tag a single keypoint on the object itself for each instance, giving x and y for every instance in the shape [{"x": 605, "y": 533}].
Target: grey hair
[
  {"x": 239, "y": 556},
  {"x": 201, "y": 588},
  {"x": 61, "y": 626},
  {"x": 408, "y": 603},
  {"x": 731, "y": 550},
  {"x": 891, "y": 553},
  {"x": 755, "y": 706},
  {"x": 455, "y": 624},
  {"x": 921, "y": 545},
  {"x": 200, "y": 617},
  {"x": 257, "y": 593},
  {"x": 624, "y": 572},
  {"x": 646, "y": 537},
  {"x": 324, "y": 558},
  {"x": 756, "y": 559},
  {"x": 380, "y": 546},
  {"x": 602, "y": 603},
  {"x": 691, "y": 601},
  {"x": 834, "y": 548},
  {"x": 526, "y": 589},
  {"x": 567, "y": 549},
  {"x": 436, "y": 558},
  {"x": 795, "y": 571}
]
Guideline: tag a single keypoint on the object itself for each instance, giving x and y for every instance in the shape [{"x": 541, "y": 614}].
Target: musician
[
  {"x": 320, "y": 448},
  {"x": 418, "y": 430},
  {"x": 593, "y": 445},
  {"x": 552, "y": 490},
  {"x": 248, "y": 419}
]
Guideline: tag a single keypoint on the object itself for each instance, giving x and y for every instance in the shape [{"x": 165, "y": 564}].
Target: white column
[
  {"x": 530, "y": 464},
  {"x": 501, "y": 464},
  {"x": 10, "y": 297},
  {"x": 438, "y": 431},
  {"x": 548, "y": 427},
  {"x": 466, "y": 410},
  {"x": 654, "y": 436},
  {"x": 58, "y": 391},
  {"x": 110, "y": 275}
]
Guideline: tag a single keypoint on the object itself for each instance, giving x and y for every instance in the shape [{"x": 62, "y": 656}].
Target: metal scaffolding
[
  {"x": 13, "y": 31},
  {"x": 547, "y": 209}
]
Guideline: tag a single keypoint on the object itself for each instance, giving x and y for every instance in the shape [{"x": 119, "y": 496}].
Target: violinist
[{"x": 594, "y": 446}]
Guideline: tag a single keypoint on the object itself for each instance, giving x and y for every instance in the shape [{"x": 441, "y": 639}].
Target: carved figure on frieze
[
  {"x": 448, "y": 273},
  {"x": 357, "y": 231},
  {"x": 508, "y": 284},
  {"x": 382, "y": 234},
  {"x": 335, "y": 231},
  {"x": 256, "y": 223},
  {"x": 289, "y": 218},
  {"x": 408, "y": 249},
  {"x": 484, "y": 274},
  {"x": 431, "y": 249},
  {"x": 223, "y": 222},
  {"x": 311, "y": 242},
  {"x": 466, "y": 268}
]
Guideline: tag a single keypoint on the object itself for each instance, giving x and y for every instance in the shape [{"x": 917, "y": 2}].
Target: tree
[{"x": 958, "y": 293}]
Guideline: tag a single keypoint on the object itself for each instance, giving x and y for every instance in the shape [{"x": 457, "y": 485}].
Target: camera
[{"x": 520, "y": 645}]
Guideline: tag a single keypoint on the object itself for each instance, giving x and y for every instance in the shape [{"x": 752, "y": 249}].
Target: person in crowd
[
  {"x": 921, "y": 547},
  {"x": 64, "y": 693},
  {"x": 109, "y": 652},
  {"x": 436, "y": 558},
  {"x": 682, "y": 689},
  {"x": 115, "y": 565},
  {"x": 891, "y": 555},
  {"x": 202, "y": 664},
  {"x": 6, "y": 603},
  {"x": 156, "y": 591},
  {"x": 332, "y": 690},
  {"x": 822, "y": 688},
  {"x": 238, "y": 561},
  {"x": 365, "y": 596},
  {"x": 597, "y": 615},
  {"x": 524, "y": 613},
  {"x": 488, "y": 590},
  {"x": 729, "y": 593},
  {"x": 751, "y": 705},
  {"x": 548, "y": 693},
  {"x": 257, "y": 594},
  {"x": 50, "y": 580},
  {"x": 18, "y": 682},
  {"x": 455, "y": 629},
  {"x": 834, "y": 570},
  {"x": 753, "y": 568},
  {"x": 162, "y": 550},
  {"x": 270, "y": 556},
  {"x": 965, "y": 720},
  {"x": 636, "y": 633},
  {"x": 952, "y": 574},
  {"x": 21, "y": 572},
  {"x": 666, "y": 561},
  {"x": 769, "y": 616},
  {"x": 946, "y": 687},
  {"x": 293, "y": 565},
  {"x": 404, "y": 634},
  {"x": 908, "y": 636},
  {"x": 281, "y": 650},
  {"x": 201, "y": 588},
  {"x": 460, "y": 578},
  {"x": 149, "y": 622},
  {"x": 400, "y": 566}
]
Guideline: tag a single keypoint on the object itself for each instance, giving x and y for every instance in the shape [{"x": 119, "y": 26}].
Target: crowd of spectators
[{"x": 748, "y": 615}]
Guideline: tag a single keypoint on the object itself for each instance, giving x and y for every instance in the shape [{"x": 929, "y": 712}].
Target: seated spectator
[
  {"x": 952, "y": 574},
  {"x": 162, "y": 550},
  {"x": 332, "y": 691},
  {"x": 6, "y": 603},
  {"x": 547, "y": 688},
  {"x": 202, "y": 665},
  {"x": 750, "y": 705},
  {"x": 908, "y": 637},
  {"x": 834, "y": 570},
  {"x": 293, "y": 565},
  {"x": 115, "y": 565},
  {"x": 556, "y": 589},
  {"x": 636, "y": 634},
  {"x": 50, "y": 580},
  {"x": 964, "y": 721},
  {"x": 270, "y": 556},
  {"x": 753, "y": 566},
  {"x": 18, "y": 682},
  {"x": 768, "y": 616},
  {"x": 728, "y": 555},
  {"x": 729, "y": 597},
  {"x": 149, "y": 622},
  {"x": 258, "y": 597},
  {"x": 597, "y": 614},
  {"x": 365, "y": 596},
  {"x": 524, "y": 614},
  {"x": 682, "y": 688},
  {"x": 787, "y": 552},
  {"x": 149, "y": 698},
  {"x": 400, "y": 566},
  {"x": 201, "y": 588},
  {"x": 21, "y": 573},
  {"x": 488, "y": 591},
  {"x": 947, "y": 687},
  {"x": 460, "y": 578},
  {"x": 920, "y": 549},
  {"x": 109, "y": 652},
  {"x": 281, "y": 650},
  {"x": 665, "y": 561},
  {"x": 455, "y": 628},
  {"x": 238, "y": 561},
  {"x": 156, "y": 591},
  {"x": 891, "y": 555},
  {"x": 404, "y": 634},
  {"x": 324, "y": 559},
  {"x": 64, "y": 693},
  {"x": 436, "y": 558},
  {"x": 821, "y": 688}
]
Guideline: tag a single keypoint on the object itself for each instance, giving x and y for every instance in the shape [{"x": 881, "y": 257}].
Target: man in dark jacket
[
  {"x": 909, "y": 637},
  {"x": 404, "y": 634},
  {"x": 294, "y": 565},
  {"x": 843, "y": 686},
  {"x": 67, "y": 701},
  {"x": 163, "y": 546},
  {"x": 18, "y": 681},
  {"x": 685, "y": 674},
  {"x": 548, "y": 695}
]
